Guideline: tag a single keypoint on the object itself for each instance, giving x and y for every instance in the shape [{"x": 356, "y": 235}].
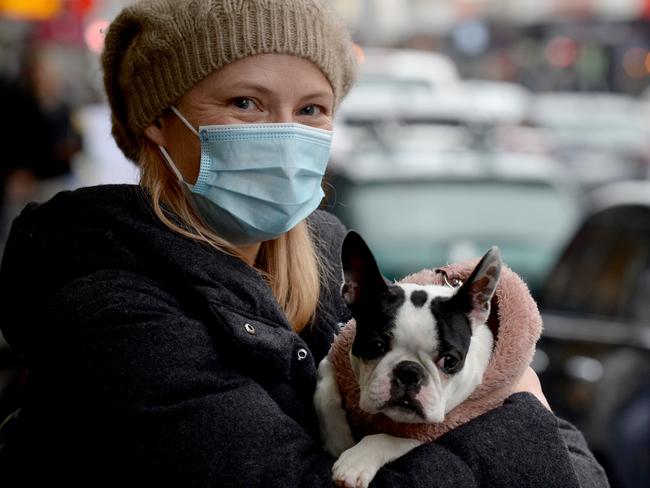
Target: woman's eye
[
  {"x": 244, "y": 103},
  {"x": 311, "y": 110},
  {"x": 448, "y": 363}
]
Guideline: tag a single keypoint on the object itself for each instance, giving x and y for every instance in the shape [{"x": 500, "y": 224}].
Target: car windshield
[
  {"x": 606, "y": 269},
  {"x": 601, "y": 122},
  {"x": 599, "y": 133},
  {"x": 377, "y": 82},
  {"x": 443, "y": 221}
]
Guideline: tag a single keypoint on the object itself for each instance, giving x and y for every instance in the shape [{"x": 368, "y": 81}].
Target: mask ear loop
[
  {"x": 164, "y": 152},
  {"x": 170, "y": 163},
  {"x": 184, "y": 120}
]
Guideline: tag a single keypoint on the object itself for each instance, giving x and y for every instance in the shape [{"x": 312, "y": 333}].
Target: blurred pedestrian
[
  {"x": 39, "y": 139},
  {"x": 47, "y": 117},
  {"x": 12, "y": 179},
  {"x": 173, "y": 328}
]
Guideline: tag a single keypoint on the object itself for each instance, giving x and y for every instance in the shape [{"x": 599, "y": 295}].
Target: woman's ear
[{"x": 155, "y": 133}]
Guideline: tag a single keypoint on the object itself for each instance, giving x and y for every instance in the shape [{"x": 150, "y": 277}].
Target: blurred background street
[{"x": 518, "y": 123}]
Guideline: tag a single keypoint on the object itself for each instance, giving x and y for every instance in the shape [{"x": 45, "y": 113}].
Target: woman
[{"x": 173, "y": 329}]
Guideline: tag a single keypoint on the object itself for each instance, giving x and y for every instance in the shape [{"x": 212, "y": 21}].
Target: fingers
[{"x": 529, "y": 382}]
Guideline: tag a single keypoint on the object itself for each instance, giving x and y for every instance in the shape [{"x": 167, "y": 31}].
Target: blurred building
[
  {"x": 585, "y": 45},
  {"x": 403, "y": 17}
]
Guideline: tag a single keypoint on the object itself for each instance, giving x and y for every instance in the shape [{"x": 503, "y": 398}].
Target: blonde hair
[{"x": 289, "y": 264}]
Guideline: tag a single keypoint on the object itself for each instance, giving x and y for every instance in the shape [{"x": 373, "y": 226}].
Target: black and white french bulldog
[{"x": 419, "y": 351}]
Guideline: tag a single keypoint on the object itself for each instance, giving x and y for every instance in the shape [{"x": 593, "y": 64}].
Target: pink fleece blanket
[{"x": 516, "y": 324}]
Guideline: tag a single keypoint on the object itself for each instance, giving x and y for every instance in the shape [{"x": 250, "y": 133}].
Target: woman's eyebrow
[
  {"x": 247, "y": 85},
  {"x": 252, "y": 86},
  {"x": 323, "y": 97},
  {"x": 318, "y": 94}
]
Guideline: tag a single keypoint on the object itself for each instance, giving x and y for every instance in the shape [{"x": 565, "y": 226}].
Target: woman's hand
[{"x": 529, "y": 382}]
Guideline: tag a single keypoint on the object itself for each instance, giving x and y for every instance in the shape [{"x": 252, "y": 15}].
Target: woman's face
[{"x": 267, "y": 88}]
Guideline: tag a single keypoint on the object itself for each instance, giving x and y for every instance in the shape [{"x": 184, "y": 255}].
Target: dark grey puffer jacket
[{"x": 156, "y": 361}]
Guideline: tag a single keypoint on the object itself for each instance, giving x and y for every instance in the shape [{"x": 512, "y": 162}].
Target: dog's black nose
[{"x": 409, "y": 374}]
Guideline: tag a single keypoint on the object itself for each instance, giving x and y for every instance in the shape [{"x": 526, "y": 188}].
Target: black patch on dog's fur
[
  {"x": 419, "y": 298},
  {"x": 454, "y": 328},
  {"x": 375, "y": 324}
]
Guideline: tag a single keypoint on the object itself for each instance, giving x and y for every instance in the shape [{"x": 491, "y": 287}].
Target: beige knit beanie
[{"x": 156, "y": 50}]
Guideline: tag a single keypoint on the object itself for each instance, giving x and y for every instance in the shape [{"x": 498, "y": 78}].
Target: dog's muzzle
[
  {"x": 408, "y": 378},
  {"x": 408, "y": 375}
]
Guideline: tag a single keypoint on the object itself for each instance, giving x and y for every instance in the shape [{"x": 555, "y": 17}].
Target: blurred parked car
[
  {"x": 395, "y": 83},
  {"x": 420, "y": 209},
  {"x": 426, "y": 70},
  {"x": 602, "y": 137},
  {"x": 594, "y": 356},
  {"x": 406, "y": 88},
  {"x": 497, "y": 102}
]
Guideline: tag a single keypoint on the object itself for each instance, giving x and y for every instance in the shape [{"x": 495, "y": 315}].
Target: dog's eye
[
  {"x": 448, "y": 363},
  {"x": 372, "y": 348},
  {"x": 378, "y": 346},
  {"x": 375, "y": 348}
]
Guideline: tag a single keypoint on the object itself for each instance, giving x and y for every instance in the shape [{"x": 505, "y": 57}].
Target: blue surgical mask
[{"x": 257, "y": 181}]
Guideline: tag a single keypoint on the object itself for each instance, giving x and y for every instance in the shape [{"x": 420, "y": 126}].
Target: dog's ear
[
  {"x": 475, "y": 294},
  {"x": 362, "y": 279}
]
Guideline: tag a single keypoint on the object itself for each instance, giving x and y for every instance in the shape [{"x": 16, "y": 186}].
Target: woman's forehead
[{"x": 271, "y": 73}]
